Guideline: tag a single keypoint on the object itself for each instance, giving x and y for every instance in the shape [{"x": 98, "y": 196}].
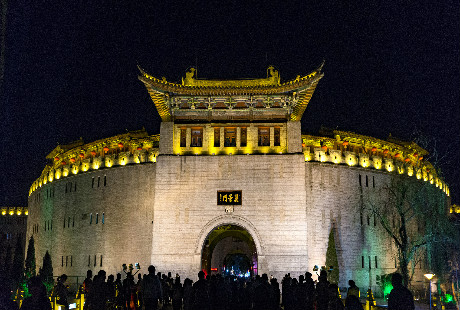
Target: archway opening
[{"x": 229, "y": 250}]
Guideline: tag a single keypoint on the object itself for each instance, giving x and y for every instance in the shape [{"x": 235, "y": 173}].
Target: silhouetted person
[
  {"x": 188, "y": 294},
  {"x": 61, "y": 293},
  {"x": 400, "y": 297},
  {"x": 39, "y": 300},
  {"x": 200, "y": 293},
  {"x": 276, "y": 293},
  {"x": 309, "y": 291},
  {"x": 99, "y": 292},
  {"x": 110, "y": 289},
  {"x": 119, "y": 296},
  {"x": 177, "y": 294},
  {"x": 139, "y": 291},
  {"x": 263, "y": 297},
  {"x": 353, "y": 289},
  {"x": 322, "y": 291},
  {"x": 335, "y": 303},
  {"x": 86, "y": 287},
  {"x": 151, "y": 289},
  {"x": 129, "y": 289},
  {"x": 352, "y": 303}
]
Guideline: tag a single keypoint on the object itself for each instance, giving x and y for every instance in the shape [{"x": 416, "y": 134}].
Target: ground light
[{"x": 429, "y": 276}]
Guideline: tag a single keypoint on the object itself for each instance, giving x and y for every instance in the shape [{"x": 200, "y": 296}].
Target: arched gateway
[{"x": 229, "y": 244}]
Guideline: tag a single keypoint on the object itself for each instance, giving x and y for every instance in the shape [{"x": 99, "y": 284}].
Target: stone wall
[
  {"x": 122, "y": 206},
  {"x": 161, "y": 213}
]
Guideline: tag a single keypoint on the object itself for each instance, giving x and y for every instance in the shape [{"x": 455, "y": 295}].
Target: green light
[
  {"x": 448, "y": 298},
  {"x": 387, "y": 288}
]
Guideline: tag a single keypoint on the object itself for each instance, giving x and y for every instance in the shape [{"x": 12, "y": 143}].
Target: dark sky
[{"x": 70, "y": 69}]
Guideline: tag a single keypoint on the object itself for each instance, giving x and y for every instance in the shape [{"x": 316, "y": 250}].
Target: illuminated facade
[{"x": 231, "y": 179}]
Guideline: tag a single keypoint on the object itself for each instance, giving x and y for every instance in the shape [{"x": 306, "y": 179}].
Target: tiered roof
[{"x": 301, "y": 88}]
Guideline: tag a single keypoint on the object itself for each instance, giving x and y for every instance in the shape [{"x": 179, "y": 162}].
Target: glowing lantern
[
  {"x": 345, "y": 143},
  {"x": 106, "y": 149},
  {"x": 324, "y": 147},
  {"x": 63, "y": 163},
  {"x": 303, "y": 144},
  {"x": 415, "y": 154},
  {"x": 139, "y": 148},
  {"x": 120, "y": 145},
  {"x": 385, "y": 151},
  {"x": 407, "y": 160},
  {"x": 56, "y": 158},
  {"x": 81, "y": 155},
  {"x": 374, "y": 149},
  {"x": 397, "y": 155},
  {"x": 72, "y": 160},
  {"x": 93, "y": 153},
  {"x": 420, "y": 158}
]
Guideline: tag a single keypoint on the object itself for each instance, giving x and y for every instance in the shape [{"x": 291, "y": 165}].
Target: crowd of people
[{"x": 215, "y": 292}]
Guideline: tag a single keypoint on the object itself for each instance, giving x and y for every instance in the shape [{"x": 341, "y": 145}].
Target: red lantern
[
  {"x": 120, "y": 145},
  {"x": 420, "y": 158},
  {"x": 63, "y": 163},
  {"x": 407, "y": 160},
  {"x": 385, "y": 151},
  {"x": 415, "y": 154},
  {"x": 397, "y": 155},
  {"x": 56, "y": 158},
  {"x": 374, "y": 149},
  {"x": 81, "y": 155},
  {"x": 93, "y": 153},
  {"x": 345, "y": 143},
  {"x": 324, "y": 147},
  {"x": 106, "y": 149},
  {"x": 139, "y": 148},
  {"x": 72, "y": 160},
  {"x": 303, "y": 144}
]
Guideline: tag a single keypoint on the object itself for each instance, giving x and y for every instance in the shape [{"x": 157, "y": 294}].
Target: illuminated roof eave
[{"x": 160, "y": 90}]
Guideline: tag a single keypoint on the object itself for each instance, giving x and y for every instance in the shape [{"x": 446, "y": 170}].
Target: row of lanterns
[
  {"x": 93, "y": 153},
  {"x": 374, "y": 149}
]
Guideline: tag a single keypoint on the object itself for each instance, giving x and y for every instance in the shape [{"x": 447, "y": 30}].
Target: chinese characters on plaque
[{"x": 229, "y": 198}]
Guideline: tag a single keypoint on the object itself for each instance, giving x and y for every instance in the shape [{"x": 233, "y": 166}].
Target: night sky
[{"x": 71, "y": 69}]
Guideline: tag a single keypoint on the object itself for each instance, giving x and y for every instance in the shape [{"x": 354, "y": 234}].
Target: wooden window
[
  {"x": 244, "y": 137},
  {"x": 97, "y": 218},
  {"x": 217, "y": 137},
  {"x": 230, "y": 137},
  {"x": 264, "y": 136},
  {"x": 197, "y": 137},
  {"x": 92, "y": 183},
  {"x": 105, "y": 180},
  {"x": 277, "y": 137},
  {"x": 183, "y": 137}
]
